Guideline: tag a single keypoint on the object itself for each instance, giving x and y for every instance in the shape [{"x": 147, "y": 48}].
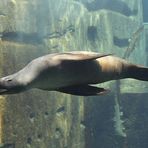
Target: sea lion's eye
[{"x": 9, "y": 79}]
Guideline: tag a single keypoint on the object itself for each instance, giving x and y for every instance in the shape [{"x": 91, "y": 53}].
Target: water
[{"x": 42, "y": 119}]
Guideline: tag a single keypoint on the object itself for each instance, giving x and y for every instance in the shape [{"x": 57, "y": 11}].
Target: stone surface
[
  {"x": 39, "y": 119},
  {"x": 100, "y": 131}
]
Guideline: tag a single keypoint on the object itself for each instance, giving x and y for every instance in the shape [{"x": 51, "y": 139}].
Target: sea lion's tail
[{"x": 138, "y": 72}]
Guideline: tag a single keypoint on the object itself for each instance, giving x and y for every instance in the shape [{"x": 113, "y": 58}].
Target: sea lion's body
[{"x": 71, "y": 73}]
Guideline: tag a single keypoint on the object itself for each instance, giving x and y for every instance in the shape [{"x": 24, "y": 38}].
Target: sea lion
[{"x": 72, "y": 73}]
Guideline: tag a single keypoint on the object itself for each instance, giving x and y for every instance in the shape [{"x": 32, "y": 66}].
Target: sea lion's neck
[{"x": 24, "y": 78}]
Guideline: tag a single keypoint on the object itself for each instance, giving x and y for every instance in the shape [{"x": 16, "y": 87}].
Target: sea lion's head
[{"x": 11, "y": 85}]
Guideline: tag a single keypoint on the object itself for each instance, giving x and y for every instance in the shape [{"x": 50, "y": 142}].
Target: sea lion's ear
[
  {"x": 83, "y": 90},
  {"x": 80, "y": 56}
]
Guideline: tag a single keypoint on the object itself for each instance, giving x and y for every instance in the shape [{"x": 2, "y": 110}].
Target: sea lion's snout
[
  {"x": 8, "y": 85},
  {"x": 3, "y": 91}
]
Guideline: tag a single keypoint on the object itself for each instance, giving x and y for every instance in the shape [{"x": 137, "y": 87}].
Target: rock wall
[
  {"x": 28, "y": 29},
  {"x": 100, "y": 132}
]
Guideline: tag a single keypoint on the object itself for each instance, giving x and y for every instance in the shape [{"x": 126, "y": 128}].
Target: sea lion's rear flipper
[
  {"x": 83, "y": 90},
  {"x": 80, "y": 56}
]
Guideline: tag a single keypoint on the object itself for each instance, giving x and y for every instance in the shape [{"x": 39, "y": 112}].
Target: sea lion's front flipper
[
  {"x": 80, "y": 56},
  {"x": 83, "y": 90}
]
